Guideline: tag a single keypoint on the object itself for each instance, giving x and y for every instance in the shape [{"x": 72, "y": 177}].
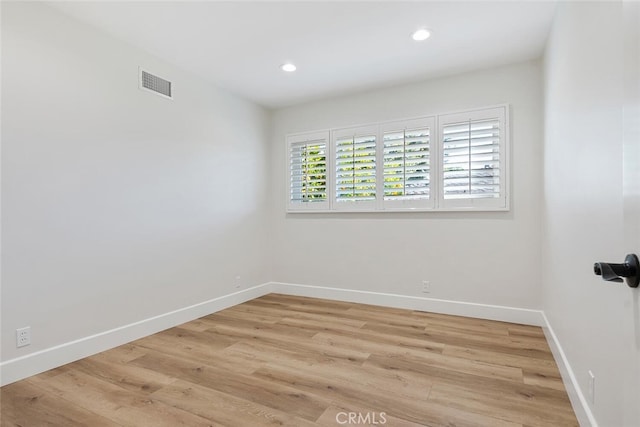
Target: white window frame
[
  {"x": 408, "y": 125},
  {"x": 501, "y": 203},
  {"x": 353, "y": 205},
  {"x": 300, "y": 139},
  {"x": 436, "y": 201}
]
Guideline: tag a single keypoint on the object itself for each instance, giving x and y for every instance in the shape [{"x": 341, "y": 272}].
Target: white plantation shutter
[
  {"x": 473, "y": 159},
  {"x": 307, "y": 157},
  {"x": 448, "y": 162},
  {"x": 355, "y": 168},
  {"x": 407, "y": 167}
]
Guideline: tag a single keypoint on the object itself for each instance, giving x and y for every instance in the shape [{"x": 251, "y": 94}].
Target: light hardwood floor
[{"x": 283, "y": 360}]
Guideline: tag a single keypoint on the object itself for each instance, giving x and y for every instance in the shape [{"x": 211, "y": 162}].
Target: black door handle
[{"x": 630, "y": 270}]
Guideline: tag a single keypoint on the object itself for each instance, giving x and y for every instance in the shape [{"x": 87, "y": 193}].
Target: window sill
[{"x": 406, "y": 210}]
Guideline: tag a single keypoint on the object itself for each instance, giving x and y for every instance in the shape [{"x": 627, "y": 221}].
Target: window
[
  {"x": 355, "y": 168},
  {"x": 406, "y": 154},
  {"x": 447, "y": 162},
  {"x": 308, "y": 171},
  {"x": 473, "y": 160}
]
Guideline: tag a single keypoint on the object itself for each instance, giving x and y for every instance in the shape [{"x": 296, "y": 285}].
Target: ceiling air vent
[{"x": 155, "y": 84}]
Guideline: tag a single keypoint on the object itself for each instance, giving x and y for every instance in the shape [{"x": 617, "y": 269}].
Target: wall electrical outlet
[
  {"x": 426, "y": 287},
  {"x": 23, "y": 336},
  {"x": 237, "y": 282},
  {"x": 592, "y": 388}
]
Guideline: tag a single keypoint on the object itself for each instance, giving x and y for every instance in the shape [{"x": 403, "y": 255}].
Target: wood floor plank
[
  {"x": 224, "y": 409},
  {"x": 256, "y": 353},
  {"x": 143, "y": 381},
  {"x": 205, "y": 351},
  {"x": 25, "y": 404},
  {"x": 543, "y": 366},
  {"x": 371, "y": 341},
  {"x": 416, "y": 410},
  {"x": 188, "y": 340},
  {"x": 433, "y": 359},
  {"x": 247, "y": 387},
  {"x": 284, "y": 360},
  {"x": 478, "y": 384},
  {"x": 456, "y": 328},
  {"x": 305, "y": 347},
  {"x": 527, "y": 409},
  {"x": 325, "y": 386},
  {"x": 117, "y": 404},
  {"x": 373, "y": 380},
  {"x": 121, "y": 354},
  {"x": 248, "y": 323},
  {"x": 505, "y": 344},
  {"x": 462, "y": 320},
  {"x": 525, "y": 330},
  {"x": 543, "y": 380},
  {"x": 394, "y": 319}
]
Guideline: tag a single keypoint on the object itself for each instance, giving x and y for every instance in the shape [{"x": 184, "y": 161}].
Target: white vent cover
[{"x": 155, "y": 84}]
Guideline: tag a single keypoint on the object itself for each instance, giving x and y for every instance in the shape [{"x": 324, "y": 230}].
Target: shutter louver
[
  {"x": 356, "y": 168},
  {"x": 471, "y": 160},
  {"x": 407, "y": 165},
  {"x": 308, "y": 172}
]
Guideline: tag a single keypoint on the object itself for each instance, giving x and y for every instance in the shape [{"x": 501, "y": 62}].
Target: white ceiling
[{"x": 339, "y": 47}]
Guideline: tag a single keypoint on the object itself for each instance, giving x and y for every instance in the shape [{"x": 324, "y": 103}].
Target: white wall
[
  {"x": 583, "y": 207},
  {"x": 118, "y": 205},
  {"x": 487, "y": 258}
]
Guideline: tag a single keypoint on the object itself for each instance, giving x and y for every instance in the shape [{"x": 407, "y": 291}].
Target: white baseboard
[
  {"x": 576, "y": 396},
  {"x": 457, "y": 308},
  {"x": 43, "y": 360}
]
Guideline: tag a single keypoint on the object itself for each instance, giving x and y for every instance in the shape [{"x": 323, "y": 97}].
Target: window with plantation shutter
[
  {"x": 473, "y": 159},
  {"x": 307, "y": 157},
  {"x": 406, "y": 154},
  {"x": 447, "y": 162},
  {"x": 355, "y": 168}
]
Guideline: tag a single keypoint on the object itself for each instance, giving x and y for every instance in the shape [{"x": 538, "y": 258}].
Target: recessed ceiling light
[
  {"x": 421, "y": 34},
  {"x": 288, "y": 67}
]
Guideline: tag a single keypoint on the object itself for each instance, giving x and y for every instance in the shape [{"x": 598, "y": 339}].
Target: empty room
[{"x": 327, "y": 213}]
